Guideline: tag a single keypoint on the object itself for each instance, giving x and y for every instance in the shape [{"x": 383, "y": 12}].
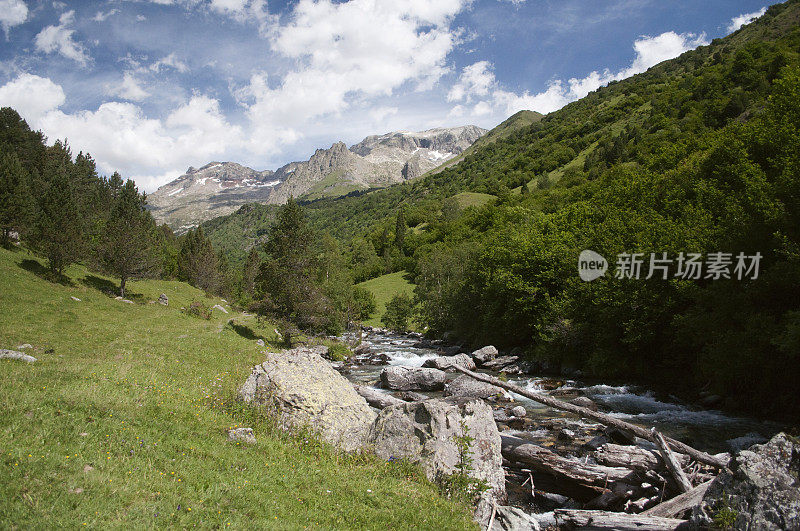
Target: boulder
[
  {"x": 163, "y": 299},
  {"x": 402, "y": 378},
  {"x": 426, "y": 433},
  {"x": 519, "y": 411},
  {"x": 450, "y": 351},
  {"x": 484, "y": 354},
  {"x": 467, "y": 387},
  {"x": 244, "y": 435},
  {"x": 443, "y": 363},
  {"x": 411, "y": 396},
  {"x": 586, "y": 402},
  {"x": 498, "y": 364},
  {"x": 760, "y": 491},
  {"x": 361, "y": 349},
  {"x": 6, "y": 354},
  {"x": 307, "y": 392}
]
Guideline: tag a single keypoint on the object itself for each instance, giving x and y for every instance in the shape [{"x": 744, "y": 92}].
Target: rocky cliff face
[
  {"x": 219, "y": 188},
  {"x": 216, "y": 189}
]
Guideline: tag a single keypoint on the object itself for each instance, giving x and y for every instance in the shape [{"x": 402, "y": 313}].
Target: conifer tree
[
  {"x": 126, "y": 247},
  {"x": 15, "y": 197}
]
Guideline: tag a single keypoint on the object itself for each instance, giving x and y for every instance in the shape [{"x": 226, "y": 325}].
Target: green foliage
[
  {"x": 461, "y": 485},
  {"x": 198, "y": 309},
  {"x": 399, "y": 311},
  {"x": 126, "y": 247}
]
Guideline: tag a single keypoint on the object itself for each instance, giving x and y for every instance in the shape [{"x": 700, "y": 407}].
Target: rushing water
[{"x": 708, "y": 430}]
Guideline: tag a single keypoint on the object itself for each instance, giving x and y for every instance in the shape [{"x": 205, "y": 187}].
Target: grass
[
  {"x": 468, "y": 199},
  {"x": 384, "y": 288},
  {"x": 121, "y": 423}
]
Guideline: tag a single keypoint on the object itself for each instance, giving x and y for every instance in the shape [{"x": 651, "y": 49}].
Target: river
[{"x": 706, "y": 429}]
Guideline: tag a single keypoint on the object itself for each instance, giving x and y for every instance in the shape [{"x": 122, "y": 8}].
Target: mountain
[
  {"x": 219, "y": 188},
  {"x": 210, "y": 191}
]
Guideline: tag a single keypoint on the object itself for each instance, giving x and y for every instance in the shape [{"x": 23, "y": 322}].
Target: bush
[
  {"x": 398, "y": 312},
  {"x": 198, "y": 309}
]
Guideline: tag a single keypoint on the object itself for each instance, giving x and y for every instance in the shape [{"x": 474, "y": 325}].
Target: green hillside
[
  {"x": 121, "y": 423},
  {"x": 384, "y": 288}
]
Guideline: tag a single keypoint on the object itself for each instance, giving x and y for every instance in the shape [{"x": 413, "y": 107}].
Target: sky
[{"x": 151, "y": 87}]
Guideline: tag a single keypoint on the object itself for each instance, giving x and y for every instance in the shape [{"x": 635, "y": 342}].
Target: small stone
[
  {"x": 519, "y": 411},
  {"x": 242, "y": 435},
  {"x": 24, "y": 346},
  {"x": 14, "y": 355},
  {"x": 88, "y": 468},
  {"x": 163, "y": 299},
  {"x": 76, "y": 299},
  {"x": 566, "y": 435},
  {"x": 76, "y": 490},
  {"x": 261, "y": 343},
  {"x": 83, "y": 434},
  {"x": 220, "y": 308}
]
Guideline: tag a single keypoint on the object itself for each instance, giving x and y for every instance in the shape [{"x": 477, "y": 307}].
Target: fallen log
[
  {"x": 576, "y": 519},
  {"x": 633, "y": 457},
  {"x": 544, "y": 460},
  {"x": 376, "y": 398},
  {"x": 608, "y": 420},
  {"x": 680, "y": 503},
  {"x": 672, "y": 463}
]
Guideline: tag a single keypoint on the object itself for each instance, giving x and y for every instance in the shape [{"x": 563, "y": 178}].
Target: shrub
[{"x": 198, "y": 309}]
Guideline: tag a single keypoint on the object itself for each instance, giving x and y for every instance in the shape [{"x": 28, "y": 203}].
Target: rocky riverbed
[
  {"x": 387, "y": 364},
  {"x": 403, "y": 397}
]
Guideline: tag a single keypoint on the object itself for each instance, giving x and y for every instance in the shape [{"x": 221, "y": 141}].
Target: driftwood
[
  {"x": 633, "y": 457},
  {"x": 672, "y": 463},
  {"x": 608, "y": 420},
  {"x": 376, "y": 398},
  {"x": 543, "y": 460},
  {"x": 679, "y": 504},
  {"x": 573, "y": 518}
]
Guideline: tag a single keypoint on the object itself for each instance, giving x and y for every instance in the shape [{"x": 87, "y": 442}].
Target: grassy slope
[
  {"x": 468, "y": 199},
  {"x": 132, "y": 406},
  {"x": 384, "y": 288}
]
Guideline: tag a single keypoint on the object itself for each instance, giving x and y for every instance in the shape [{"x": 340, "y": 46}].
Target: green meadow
[{"x": 122, "y": 422}]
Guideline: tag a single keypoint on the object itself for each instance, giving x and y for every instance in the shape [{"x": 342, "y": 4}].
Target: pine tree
[
  {"x": 126, "y": 248},
  {"x": 400, "y": 229},
  {"x": 57, "y": 227},
  {"x": 15, "y": 197}
]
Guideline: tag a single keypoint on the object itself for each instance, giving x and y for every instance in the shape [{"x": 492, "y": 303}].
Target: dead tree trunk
[
  {"x": 608, "y": 420},
  {"x": 618, "y": 521},
  {"x": 672, "y": 463}
]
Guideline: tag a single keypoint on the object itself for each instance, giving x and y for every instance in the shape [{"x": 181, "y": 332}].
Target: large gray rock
[
  {"x": 484, "y": 354},
  {"x": 444, "y": 362},
  {"x": 466, "y": 387},
  {"x": 6, "y": 354},
  {"x": 426, "y": 432},
  {"x": 402, "y": 378},
  {"x": 761, "y": 491},
  {"x": 499, "y": 364},
  {"x": 307, "y": 392}
]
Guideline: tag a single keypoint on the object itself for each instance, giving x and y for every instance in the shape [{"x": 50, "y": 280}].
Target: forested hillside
[{"x": 697, "y": 155}]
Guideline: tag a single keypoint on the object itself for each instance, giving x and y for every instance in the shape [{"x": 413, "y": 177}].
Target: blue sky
[{"x": 152, "y": 87}]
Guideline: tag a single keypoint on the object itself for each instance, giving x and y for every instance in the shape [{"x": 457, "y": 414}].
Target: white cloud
[
  {"x": 128, "y": 89},
  {"x": 12, "y": 13},
  {"x": 245, "y": 11},
  {"x": 120, "y": 137},
  {"x": 747, "y": 18},
  {"x": 32, "y": 96},
  {"x": 141, "y": 18},
  {"x": 102, "y": 17},
  {"x": 358, "y": 48},
  {"x": 59, "y": 39},
  {"x": 475, "y": 80},
  {"x": 479, "y": 80},
  {"x": 171, "y": 61},
  {"x": 379, "y": 114}
]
